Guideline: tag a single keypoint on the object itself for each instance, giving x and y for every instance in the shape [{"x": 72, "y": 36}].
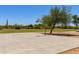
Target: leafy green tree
[
  {"x": 56, "y": 17},
  {"x": 17, "y": 26},
  {"x": 38, "y": 26},
  {"x": 55, "y": 13},
  {"x": 46, "y": 21},
  {"x": 30, "y": 26},
  {"x": 75, "y": 20},
  {"x": 65, "y": 16}
]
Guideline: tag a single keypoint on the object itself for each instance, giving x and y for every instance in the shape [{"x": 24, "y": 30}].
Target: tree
[
  {"x": 56, "y": 17},
  {"x": 38, "y": 26},
  {"x": 6, "y": 24},
  {"x": 46, "y": 21},
  {"x": 55, "y": 12},
  {"x": 38, "y": 20},
  {"x": 17, "y": 26},
  {"x": 75, "y": 20},
  {"x": 30, "y": 26},
  {"x": 60, "y": 16},
  {"x": 65, "y": 16}
]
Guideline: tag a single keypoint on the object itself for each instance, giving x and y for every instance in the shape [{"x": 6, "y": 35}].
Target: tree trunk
[
  {"x": 52, "y": 29},
  {"x": 65, "y": 27},
  {"x": 76, "y": 26},
  {"x": 45, "y": 31}
]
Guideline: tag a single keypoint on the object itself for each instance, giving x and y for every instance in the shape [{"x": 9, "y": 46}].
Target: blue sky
[{"x": 27, "y": 14}]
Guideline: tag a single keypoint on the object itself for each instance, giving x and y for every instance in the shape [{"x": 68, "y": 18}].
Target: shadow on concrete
[{"x": 62, "y": 34}]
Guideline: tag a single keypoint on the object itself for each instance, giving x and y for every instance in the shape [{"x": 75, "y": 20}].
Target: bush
[
  {"x": 17, "y": 27},
  {"x": 1, "y": 27}
]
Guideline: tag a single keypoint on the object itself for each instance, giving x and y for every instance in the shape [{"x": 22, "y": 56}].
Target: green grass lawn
[{"x": 32, "y": 30}]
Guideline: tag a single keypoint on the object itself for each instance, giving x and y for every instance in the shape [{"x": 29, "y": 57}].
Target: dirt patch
[{"x": 71, "y": 51}]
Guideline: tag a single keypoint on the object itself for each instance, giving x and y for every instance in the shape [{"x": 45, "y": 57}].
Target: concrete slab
[{"x": 35, "y": 43}]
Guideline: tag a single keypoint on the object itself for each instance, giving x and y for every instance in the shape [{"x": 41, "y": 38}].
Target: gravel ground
[{"x": 35, "y": 43}]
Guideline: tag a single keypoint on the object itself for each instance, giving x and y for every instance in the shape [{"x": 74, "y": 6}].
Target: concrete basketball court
[{"x": 35, "y": 43}]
